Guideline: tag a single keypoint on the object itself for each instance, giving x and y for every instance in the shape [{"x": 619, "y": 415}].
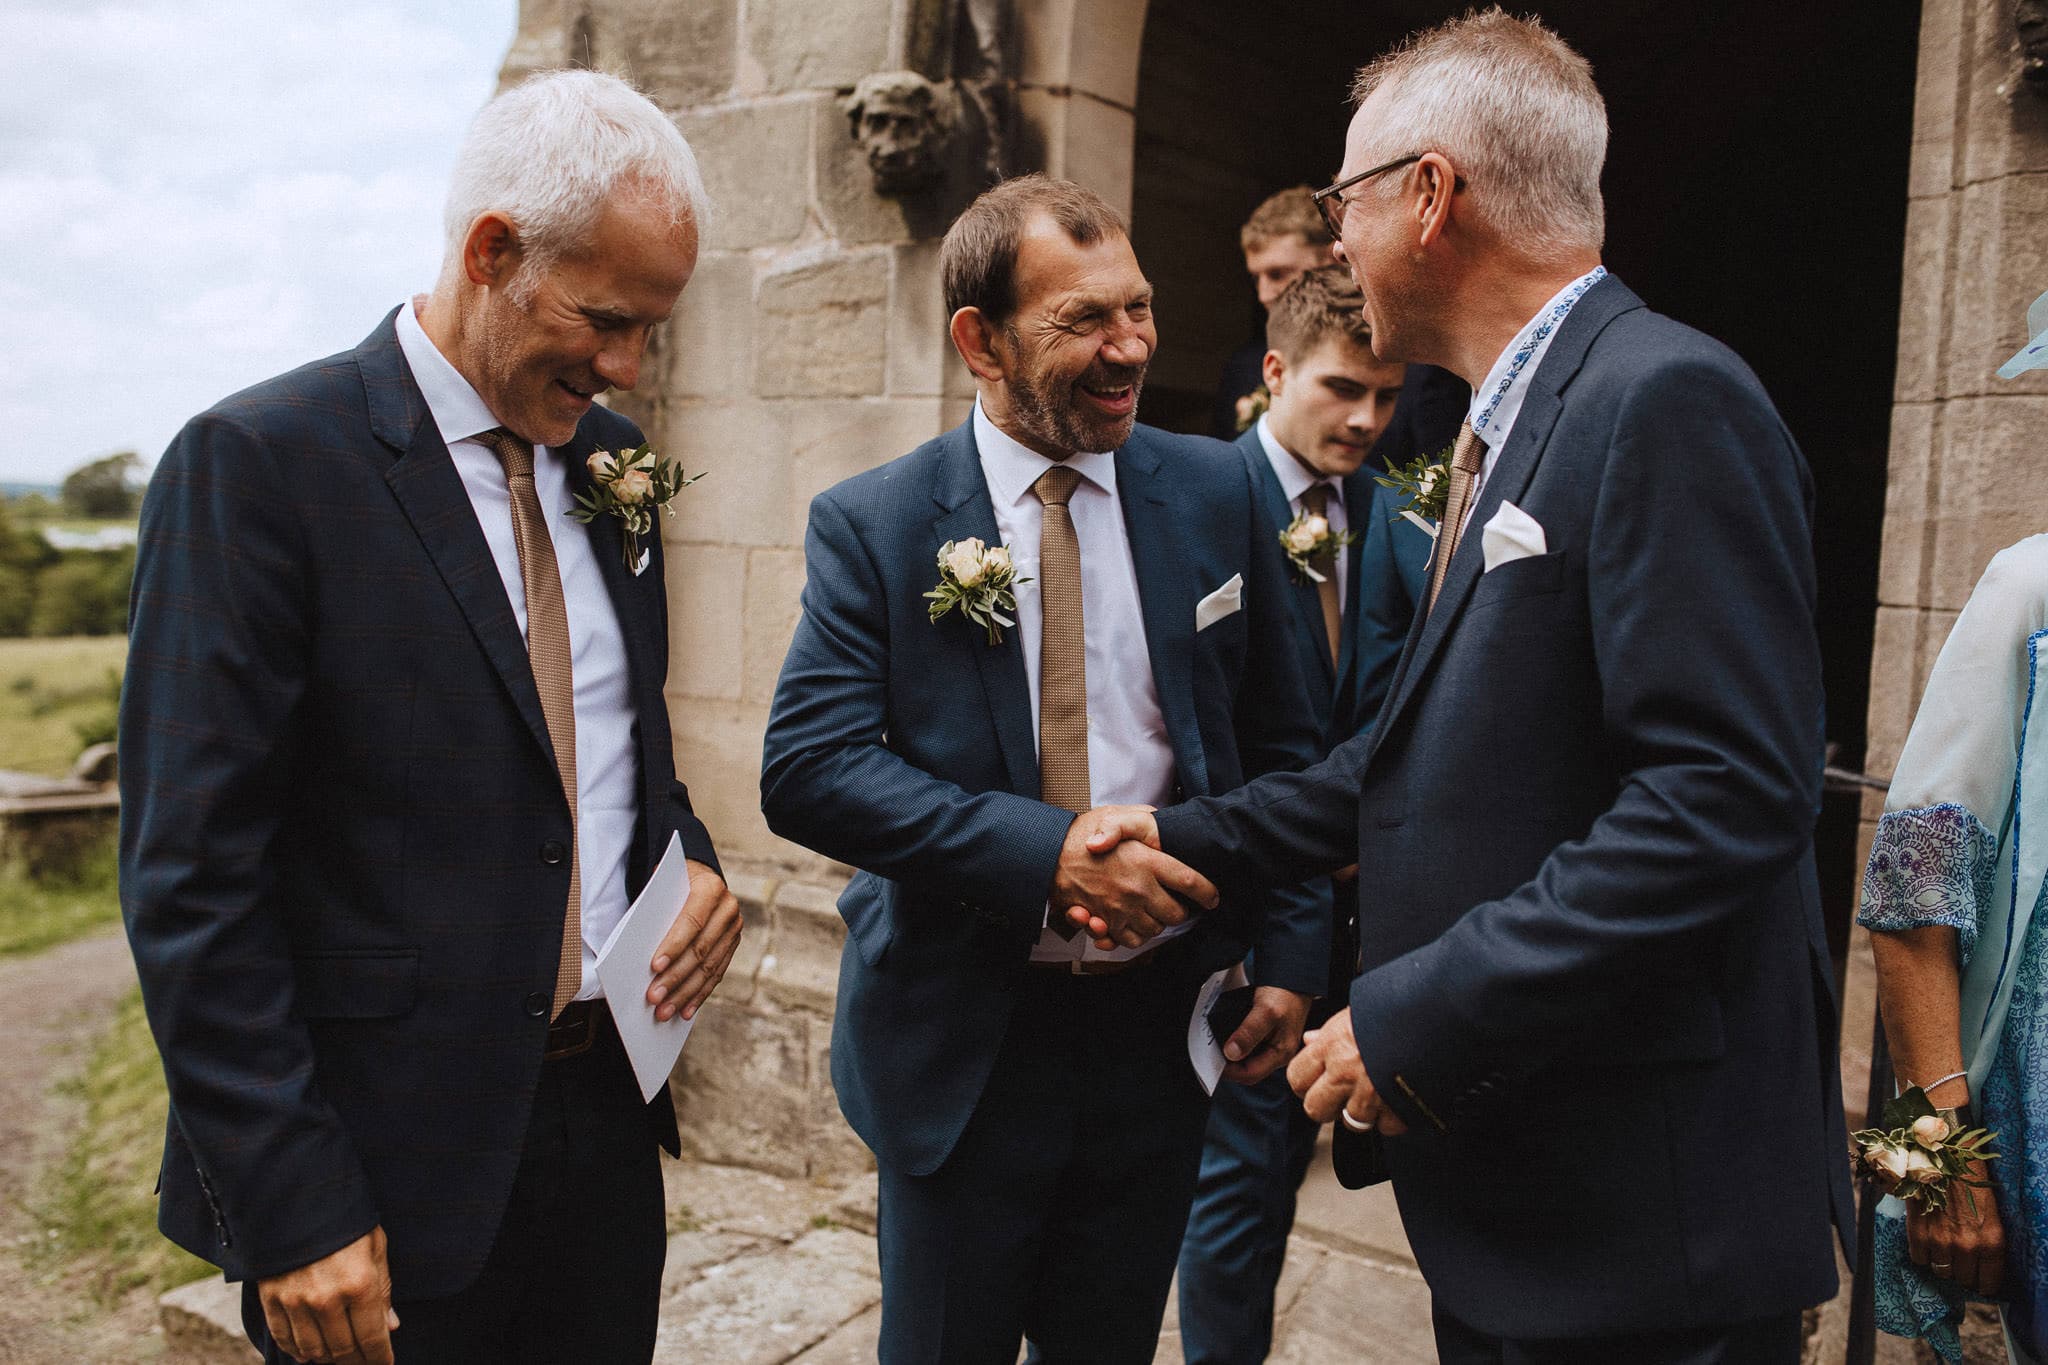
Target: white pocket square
[
  {"x": 1510, "y": 535},
  {"x": 1225, "y": 601}
]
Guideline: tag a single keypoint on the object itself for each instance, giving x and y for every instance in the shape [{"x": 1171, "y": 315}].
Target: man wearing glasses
[{"x": 1594, "y": 1021}]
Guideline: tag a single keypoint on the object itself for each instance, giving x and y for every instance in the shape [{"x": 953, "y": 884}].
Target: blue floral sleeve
[{"x": 1930, "y": 865}]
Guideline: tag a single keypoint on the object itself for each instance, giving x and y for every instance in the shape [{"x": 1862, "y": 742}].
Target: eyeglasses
[{"x": 1330, "y": 201}]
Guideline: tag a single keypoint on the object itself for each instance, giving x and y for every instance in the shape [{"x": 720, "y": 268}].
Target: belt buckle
[{"x": 583, "y": 1044}]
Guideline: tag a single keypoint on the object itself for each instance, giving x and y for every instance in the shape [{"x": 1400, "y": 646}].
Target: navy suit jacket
[
  {"x": 342, "y": 833},
  {"x": 1385, "y": 576},
  {"x": 1596, "y": 985},
  {"x": 905, "y": 747}
]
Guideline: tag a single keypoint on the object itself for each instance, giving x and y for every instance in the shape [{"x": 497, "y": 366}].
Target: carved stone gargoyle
[
  {"x": 913, "y": 131},
  {"x": 2030, "y": 18}
]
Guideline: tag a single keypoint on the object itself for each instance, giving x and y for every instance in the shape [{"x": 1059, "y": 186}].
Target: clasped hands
[{"x": 1115, "y": 884}]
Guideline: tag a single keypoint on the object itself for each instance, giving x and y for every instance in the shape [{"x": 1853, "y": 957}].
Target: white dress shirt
[
  {"x": 1130, "y": 759},
  {"x": 607, "y": 757},
  {"x": 1297, "y": 478},
  {"x": 1494, "y": 427}
]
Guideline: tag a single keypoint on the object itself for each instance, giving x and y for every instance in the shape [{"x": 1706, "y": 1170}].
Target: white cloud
[{"x": 197, "y": 194}]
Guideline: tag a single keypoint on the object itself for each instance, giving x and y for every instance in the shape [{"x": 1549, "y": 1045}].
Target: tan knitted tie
[
  {"x": 1315, "y": 500},
  {"x": 1468, "y": 457},
  {"x": 547, "y": 649},
  {"x": 1062, "y": 657}
]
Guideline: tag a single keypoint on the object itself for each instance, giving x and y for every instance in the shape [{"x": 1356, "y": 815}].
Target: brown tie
[
  {"x": 547, "y": 649},
  {"x": 1062, "y": 658},
  {"x": 1315, "y": 500},
  {"x": 1468, "y": 457}
]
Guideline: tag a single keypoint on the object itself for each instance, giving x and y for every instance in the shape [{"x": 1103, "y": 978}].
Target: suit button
[
  {"x": 536, "y": 1004},
  {"x": 552, "y": 852}
]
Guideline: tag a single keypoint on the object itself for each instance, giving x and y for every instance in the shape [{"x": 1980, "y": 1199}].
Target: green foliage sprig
[
  {"x": 1424, "y": 481},
  {"x": 979, "y": 581},
  {"x": 1920, "y": 1154},
  {"x": 631, "y": 485}
]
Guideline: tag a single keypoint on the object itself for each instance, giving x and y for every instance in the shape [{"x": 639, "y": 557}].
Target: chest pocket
[{"x": 1535, "y": 576}]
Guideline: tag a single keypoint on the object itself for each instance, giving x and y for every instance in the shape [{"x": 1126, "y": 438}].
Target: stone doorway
[{"x": 1756, "y": 189}]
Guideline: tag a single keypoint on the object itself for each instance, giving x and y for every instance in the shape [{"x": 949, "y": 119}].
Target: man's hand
[
  {"x": 1329, "y": 1075},
  {"x": 336, "y": 1309},
  {"x": 1122, "y": 895},
  {"x": 1965, "y": 1242},
  {"x": 1269, "y": 1035},
  {"x": 693, "y": 956}
]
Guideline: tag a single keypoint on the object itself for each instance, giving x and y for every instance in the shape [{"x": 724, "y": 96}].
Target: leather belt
[{"x": 575, "y": 1029}]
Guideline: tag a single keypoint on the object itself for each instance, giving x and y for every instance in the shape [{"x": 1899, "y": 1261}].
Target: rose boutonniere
[
  {"x": 1426, "y": 483},
  {"x": 979, "y": 581},
  {"x": 631, "y": 485},
  {"x": 1308, "y": 536},
  {"x": 1251, "y": 407},
  {"x": 1921, "y": 1153}
]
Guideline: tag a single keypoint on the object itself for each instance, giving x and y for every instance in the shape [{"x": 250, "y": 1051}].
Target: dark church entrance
[{"x": 1755, "y": 186}]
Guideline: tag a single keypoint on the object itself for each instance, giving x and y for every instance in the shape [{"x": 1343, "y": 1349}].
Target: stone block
[
  {"x": 855, "y": 1343},
  {"x": 741, "y": 1089},
  {"x": 775, "y": 585},
  {"x": 922, "y": 358},
  {"x": 1938, "y": 84},
  {"x": 1357, "y": 1222},
  {"x": 835, "y": 1151},
  {"x": 1090, "y": 45},
  {"x": 739, "y": 1201},
  {"x": 2001, "y": 265},
  {"x": 718, "y": 752},
  {"x": 823, "y": 326},
  {"x": 802, "y": 970},
  {"x": 680, "y": 54},
  {"x": 709, "y": 345},
  {"x": 742, "y": 447},
  {"x": 763, "y": 1309},
  {"x": 1344, "y": 1292},
  {"x": 818, "y": 44},
  {"x": 202, "y": 1325},
  {"x": 1980, "y": 506},
  {"x": 831, "y": 441},
  {"x": 1080, "y": 139},
  {"x": 1923, "y": 299},
  {"x": 1909, "y": 495},
  {"x": 541, "y": 42},
  {"x": 705, "y": 583},
  {"x": 693, "y": 1250},
  {"x": 857, "y": 1207},
  {"x": 756, "y": 161},
  {"x": 2004, "y": 122}
]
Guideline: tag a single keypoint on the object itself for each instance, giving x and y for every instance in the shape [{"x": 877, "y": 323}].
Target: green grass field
[
  {"x": 96, "y": 1205},
  {"x": 53, "y": 694}
]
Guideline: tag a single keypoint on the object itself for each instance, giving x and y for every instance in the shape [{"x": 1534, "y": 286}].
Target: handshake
[{"x": 1114, "y": 883}]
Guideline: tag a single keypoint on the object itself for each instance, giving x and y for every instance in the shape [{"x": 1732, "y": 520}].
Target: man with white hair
[
  {"x": 395, "y": 760},
  {"x": 1593, "y": 1028}
]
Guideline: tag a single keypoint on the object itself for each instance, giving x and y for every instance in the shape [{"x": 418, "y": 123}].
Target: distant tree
[
  {"x": 103, "y": 488},
  {"x": 84, "y": 593},
  {"x": 17, "y": 600}
]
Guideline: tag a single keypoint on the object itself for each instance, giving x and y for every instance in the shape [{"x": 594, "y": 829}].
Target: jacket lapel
[
  {"x": 1166, "y": 597},
  {"x": 964, "y": 510},
  {"x": 430, "y": 493},
  {"x": 1510, "y": 479},
  {"x": 1301, "y": 593}
]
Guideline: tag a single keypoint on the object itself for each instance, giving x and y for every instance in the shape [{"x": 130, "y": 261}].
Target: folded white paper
[
  {"x": 1205, "y": 1049},
  {"x": 1225, "y": 601},
  {"x": 1511, "y": 534},
  {"x": 652, "y": 1045}
]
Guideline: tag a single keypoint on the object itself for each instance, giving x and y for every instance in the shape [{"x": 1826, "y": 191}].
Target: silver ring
[
  {"x": 1940, "y": 1267},
  {"x": 1354, "y": 1125}
]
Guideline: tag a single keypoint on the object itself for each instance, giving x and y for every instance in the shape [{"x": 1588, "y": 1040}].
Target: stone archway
[{"x": 1077, "y": 91}]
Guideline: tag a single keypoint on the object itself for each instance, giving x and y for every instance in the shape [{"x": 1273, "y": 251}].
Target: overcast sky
[{"x": 197, "y": 194}]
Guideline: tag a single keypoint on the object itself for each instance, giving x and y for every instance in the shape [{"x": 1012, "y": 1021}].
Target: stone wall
[{"x": 1969, "y": 451}]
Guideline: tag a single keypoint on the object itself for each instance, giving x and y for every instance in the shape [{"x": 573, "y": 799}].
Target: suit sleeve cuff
[{"x": 1422, "y": 1057}]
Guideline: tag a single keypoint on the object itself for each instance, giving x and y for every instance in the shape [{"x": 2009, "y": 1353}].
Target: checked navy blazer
[
  {"x": 905, "y": 747},
  {"x": 343, "y": 839}
]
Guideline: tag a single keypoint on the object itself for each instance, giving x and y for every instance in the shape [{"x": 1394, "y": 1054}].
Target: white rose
[
  {"x": 634, "y": 486},
  {"x": 964, "y": 562},
  {"x": 1890, "y": 1161},
  {"x": 1304, "y": 534},
  {"x": 996, "y": 560},
  {"x": 1426, "y": 485},
  {"x": 600, "y": 465},
  {"x": 1930, "y": 1131},
  {"x": 1921, "y": 1167}
]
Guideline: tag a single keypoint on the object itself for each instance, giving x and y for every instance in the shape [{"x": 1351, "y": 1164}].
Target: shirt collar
[
  {"x": 1011, "y": 467},
  {"x": 1295, "y": 477},
  {"x": 459, "y": 412},
  {"x": 1502, "y": 418}
]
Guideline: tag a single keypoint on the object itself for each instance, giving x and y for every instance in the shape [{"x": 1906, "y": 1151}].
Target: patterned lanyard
[{"x": 1531, "y": 342}]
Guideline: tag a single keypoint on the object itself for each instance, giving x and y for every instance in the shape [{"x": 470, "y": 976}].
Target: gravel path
[{"x": 52, "y": 1008}]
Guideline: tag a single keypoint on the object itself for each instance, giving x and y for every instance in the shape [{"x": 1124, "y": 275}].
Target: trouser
[
  {"x": 574, "y": 1273},
  {"x": 1768, "y": 1341},
  {"x": 1256, "y": 1151},
  {"x": 1057, "y": 1216}
]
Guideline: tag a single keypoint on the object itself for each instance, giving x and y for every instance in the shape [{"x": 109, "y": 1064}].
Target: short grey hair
[
  {"x": 547, "y": 154},
  {"x": 1514, "y": 108}
]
